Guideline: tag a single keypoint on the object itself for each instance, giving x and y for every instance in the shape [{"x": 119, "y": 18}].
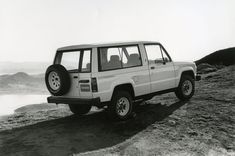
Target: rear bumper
[
  {"x": 65, "y": 100},
  {"x": 198, "y": 77}
]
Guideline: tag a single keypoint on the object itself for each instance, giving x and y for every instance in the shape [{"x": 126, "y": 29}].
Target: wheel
[
  {"x": 79, "y": 109},
  {"x": 186, "y": 88},
  {"x": 121, "y": 104},
  {"x": 57, "y": 80}
]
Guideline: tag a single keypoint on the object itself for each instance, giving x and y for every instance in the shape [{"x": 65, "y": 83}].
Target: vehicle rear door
[
  {"x": 78, "y": 65},
  {"x": 84, "y": 74}
]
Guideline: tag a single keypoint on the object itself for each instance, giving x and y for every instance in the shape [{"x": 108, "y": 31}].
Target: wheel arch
[
  {"x": 185, "y": 71},
  {"x": 125, "y": 87},
  {"x": 188, "y": 72}
]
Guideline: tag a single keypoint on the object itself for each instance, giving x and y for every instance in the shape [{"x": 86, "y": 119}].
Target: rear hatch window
[{"x": 75, "y": 61}]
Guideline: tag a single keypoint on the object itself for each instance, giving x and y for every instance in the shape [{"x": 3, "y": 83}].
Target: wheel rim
[
  {"x": 123, "y": 106},
  {"x": 187, "y": 87},
  {"x": 54, "y": 80}
]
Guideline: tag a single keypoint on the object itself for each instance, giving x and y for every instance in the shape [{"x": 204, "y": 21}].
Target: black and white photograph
[{"x": 117, "y": 78}]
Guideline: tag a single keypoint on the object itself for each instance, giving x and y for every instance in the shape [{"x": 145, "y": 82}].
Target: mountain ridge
[
  {"x": 22, "y": 82},
  {"x": 26, "y": 67},
  {"x": 220, "y": 57}
]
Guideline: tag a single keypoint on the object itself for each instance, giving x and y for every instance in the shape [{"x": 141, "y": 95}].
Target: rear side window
[{"x": 111, "y": 58}]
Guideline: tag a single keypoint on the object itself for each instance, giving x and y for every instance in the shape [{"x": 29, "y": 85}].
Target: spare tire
[{"x": 57, "y": 79}]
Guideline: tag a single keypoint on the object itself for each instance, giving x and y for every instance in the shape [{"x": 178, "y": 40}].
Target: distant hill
[
  {"x": 22, "y": 83},
  {"x": 27, "y": 67},
  {"x": 221, "y": 57}
]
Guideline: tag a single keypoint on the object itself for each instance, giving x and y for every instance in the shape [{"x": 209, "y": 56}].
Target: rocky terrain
[{"x": 205, "y": 125}]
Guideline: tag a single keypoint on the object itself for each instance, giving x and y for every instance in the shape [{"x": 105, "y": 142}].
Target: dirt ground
[{"x": 205, "y": 125}]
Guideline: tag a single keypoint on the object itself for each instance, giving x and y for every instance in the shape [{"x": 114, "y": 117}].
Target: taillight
[{"x": 94, "y": 86}]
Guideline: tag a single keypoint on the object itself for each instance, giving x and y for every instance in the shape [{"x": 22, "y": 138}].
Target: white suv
[{"x": 116, "y": 75}]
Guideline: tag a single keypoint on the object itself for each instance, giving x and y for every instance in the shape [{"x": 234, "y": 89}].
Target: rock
[
  {"x": 172, "y": 122},
  {"x": 206, "y": 68}
]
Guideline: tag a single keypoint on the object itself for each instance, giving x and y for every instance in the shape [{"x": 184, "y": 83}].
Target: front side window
[
  {"x": 165, "y": 56},
  {"x": 75, "y": 61},
  {"x": 111, "y": 58},
  {"x": 156, "y": 55}
]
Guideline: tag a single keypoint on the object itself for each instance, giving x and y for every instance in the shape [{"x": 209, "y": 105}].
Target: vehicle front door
[{"x": 161, "y": 67}]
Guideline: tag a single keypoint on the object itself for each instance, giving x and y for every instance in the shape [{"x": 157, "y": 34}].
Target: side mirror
[{"x": 159, "y": 61}]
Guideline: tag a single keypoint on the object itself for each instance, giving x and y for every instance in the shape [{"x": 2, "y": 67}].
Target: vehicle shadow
[{"x": 74, "y": 134}]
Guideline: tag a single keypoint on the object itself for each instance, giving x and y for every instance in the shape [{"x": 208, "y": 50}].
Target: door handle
[
  {"x": 84, "y": 81},
  {"x": 75, "y": 77},
  {"x": 152, "y": 67}
]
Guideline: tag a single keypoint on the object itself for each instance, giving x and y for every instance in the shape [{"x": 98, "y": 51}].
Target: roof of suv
[{"x": 84, "y": 46}]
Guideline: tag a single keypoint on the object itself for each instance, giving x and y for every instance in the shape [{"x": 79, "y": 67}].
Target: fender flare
[
  {"x": 182, "y": 71},
  {"x": 123, "y": 83}
]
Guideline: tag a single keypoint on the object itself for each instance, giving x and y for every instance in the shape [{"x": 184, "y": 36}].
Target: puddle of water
[{"x": 8, "y": 103}]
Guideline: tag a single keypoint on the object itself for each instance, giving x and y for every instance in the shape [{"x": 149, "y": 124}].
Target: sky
[{"x": 32, "y": 30}]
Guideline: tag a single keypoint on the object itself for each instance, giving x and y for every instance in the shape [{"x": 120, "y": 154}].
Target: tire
[
  {"x": 121, "y": 105},
  {"x": 79, "y": 109},
  {"x": 186, "y": 88},
  {"x": 57, "y": 80}
]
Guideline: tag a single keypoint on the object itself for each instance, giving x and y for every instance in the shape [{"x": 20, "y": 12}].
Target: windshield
[{"x": 75, "y": 61}]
